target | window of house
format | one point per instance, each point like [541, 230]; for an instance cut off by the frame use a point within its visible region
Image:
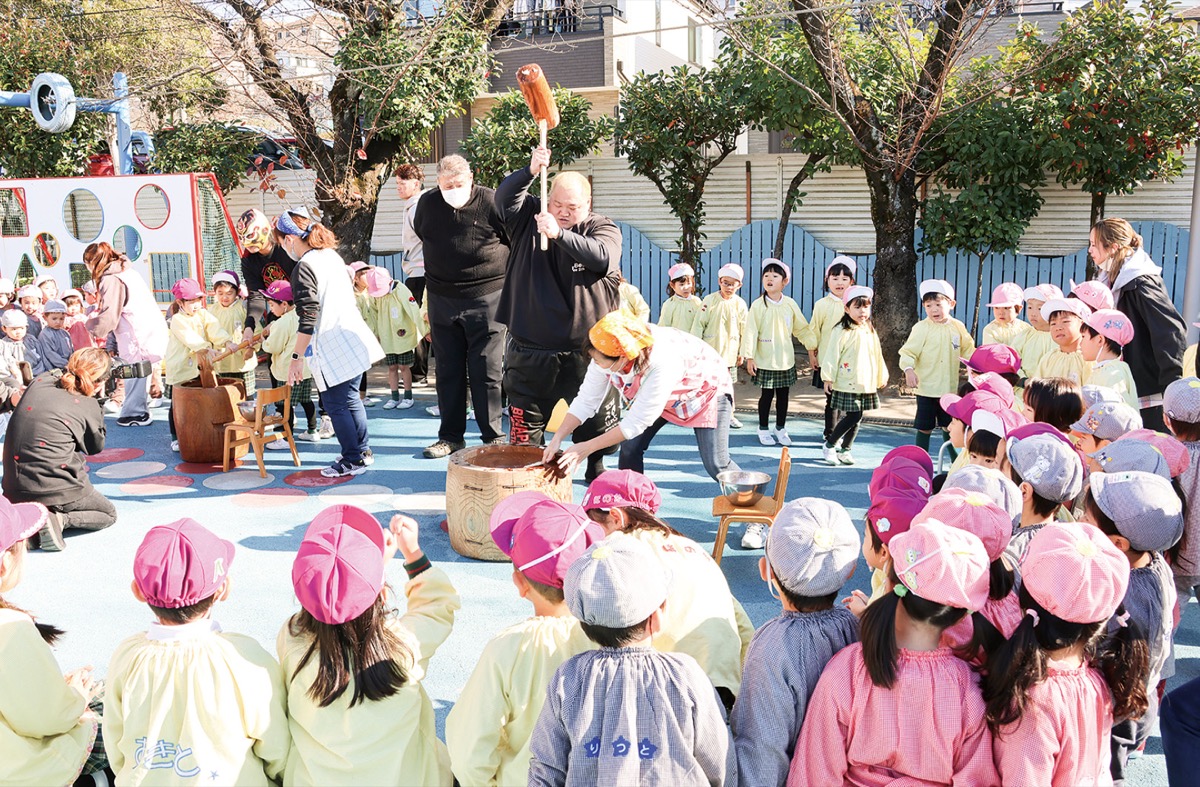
[695, 42]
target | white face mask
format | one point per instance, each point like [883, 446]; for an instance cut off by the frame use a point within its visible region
[457, 197]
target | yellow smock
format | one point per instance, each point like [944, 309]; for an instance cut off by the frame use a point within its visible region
[1012, 334]
[720, 322]
[1115, 374]
[398, 324]
[1035, 346]
[233, 320]
[933, 351]
[280, 343]
[1068, 365]
[770, 328]
[188, 335]
[632, 301]
[852, 361]
[679, 312]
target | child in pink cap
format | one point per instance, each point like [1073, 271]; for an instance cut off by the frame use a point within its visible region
[840, 274]
[682, 305]
[773, 321]
[1051, 698]
[703, 620]
[48, 720]
[192, 330]
[1105, 335]
[1006, 327]
[357, 711]
[897, 706]
[399, 327]
[489, 727]
[722, 320]
[185, 699]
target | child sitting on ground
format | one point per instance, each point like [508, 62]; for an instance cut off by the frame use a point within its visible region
[852, 371]
[16, 347]
[230, 311]
[1102, 423]
[682, 305]
[48, 720]
[185, 698]
[1038, 342]
[1049, 473]
[29, 298]
[811, 552]
[399, 328]
[357, 711]
[192, 330]
[489, 727]
[859, 728]
[1006, 327]
[1105, 334]
[627, 714]
[279, 339]
[54, 343]
[722, 320]
[1065, 317]
[930, 358]
[1142, 516]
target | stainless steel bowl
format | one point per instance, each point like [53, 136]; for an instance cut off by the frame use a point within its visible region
[743, 487]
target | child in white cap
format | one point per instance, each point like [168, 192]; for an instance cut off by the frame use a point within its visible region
[1181, 411]
[865, 719]
[852, 371]
[29, 298]
[840, 274]
[1006, 326]
[1036, 343]
[682, 305]
[931, 356]
[489, 727]
[1049, 473]
[1142, 516]
[722, 319]
[627, 714]
[17, 347]
[811, 552]
[48, 285]
[230, 310]
[773, 321]
[54, 343]
[1105, 335]
[1051, 698]
[1066, 317]
[632, 302]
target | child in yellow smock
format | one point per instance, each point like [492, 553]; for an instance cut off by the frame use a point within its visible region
[827, 313]
[279, 342]
[366, 308]
[632, 301]
[1036, 344]
[399, 328]
[1065, 317]
[853, 371]
[1006, 326]
[230, 311]
[722, 320]
[191, 330]
[682, 306]
[1105, 334]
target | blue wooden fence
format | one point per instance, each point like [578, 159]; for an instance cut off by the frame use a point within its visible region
[645, 264]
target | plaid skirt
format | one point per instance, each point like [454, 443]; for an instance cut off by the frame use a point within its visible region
[401, 359]
[775, 378]
[97, 759]
[853, 402]
[302, 392]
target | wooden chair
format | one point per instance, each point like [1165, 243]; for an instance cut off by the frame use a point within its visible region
[763, 512]
[256, 432]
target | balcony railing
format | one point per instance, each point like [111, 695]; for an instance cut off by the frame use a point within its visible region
[556, 17]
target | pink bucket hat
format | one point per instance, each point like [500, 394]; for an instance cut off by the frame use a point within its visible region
[280, 290]
[19, 521]
[622, 489]
[1173, 451]
[963, 407]
[1095, 294]
[1075, 572]
[379, 282]
[181, 564]
[998, 358]
[942, 564]
[973, 512]
[787, 270]
[543, 537]
[679, 270]
[1042, 292]
[187, 290]
[892, 512]
[338, 571]
[1007, 294]
[917, 475]
[1111, 324]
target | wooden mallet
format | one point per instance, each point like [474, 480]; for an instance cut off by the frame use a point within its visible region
[541, 105]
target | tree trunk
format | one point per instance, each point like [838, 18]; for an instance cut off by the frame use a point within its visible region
[894, 214]
[789, 200]
[1097, 213]
[349, 209]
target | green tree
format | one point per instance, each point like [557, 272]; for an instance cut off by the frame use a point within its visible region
[500, 142]
[398, 79]
[205, 147]
[1117, 95]
[676, 127]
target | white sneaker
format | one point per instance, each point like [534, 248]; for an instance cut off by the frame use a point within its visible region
[325, 430]
[175, 446]
[369, 401]
[755, 536]
[829, 455]
[845, 458]
[470, 413]
[155, 401]
[278, 444]
[391, 404]
[765, 437]
[783, 437]
[405, 404]
[310, 436]
[112, 407]
[734, 423]
[435, 411]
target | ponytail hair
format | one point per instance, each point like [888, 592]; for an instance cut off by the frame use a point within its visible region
[86, 370]
[1120, 233]
[1124, 659]
[877, 631]
[319, 236]
[641, 519]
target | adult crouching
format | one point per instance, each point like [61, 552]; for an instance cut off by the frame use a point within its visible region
[58, 421]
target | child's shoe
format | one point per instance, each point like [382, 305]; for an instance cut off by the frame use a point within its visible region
[765, 437]
[391, 404]
[325, 430]
[755, 536]
[369, 401]
[175, 446]
[435, 411]
[310, 436]
[829, 455]
[734, 423]
[405, 404]
[844, 457]
[278, 444]
[783, 437]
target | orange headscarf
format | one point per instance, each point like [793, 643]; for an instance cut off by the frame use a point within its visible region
[620, 335]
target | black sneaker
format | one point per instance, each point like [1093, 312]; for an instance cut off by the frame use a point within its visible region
[341, 468]
[135, 420]
[50, 537]
[443, 448]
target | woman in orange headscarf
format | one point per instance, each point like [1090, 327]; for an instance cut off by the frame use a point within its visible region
[666, 376]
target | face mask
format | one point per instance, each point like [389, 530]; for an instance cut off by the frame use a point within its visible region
[458, 197]
[286, 250]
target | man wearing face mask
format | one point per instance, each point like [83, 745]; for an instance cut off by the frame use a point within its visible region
[466, 253]
[551, 298]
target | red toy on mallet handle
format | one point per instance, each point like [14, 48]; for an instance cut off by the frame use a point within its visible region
[541, 105]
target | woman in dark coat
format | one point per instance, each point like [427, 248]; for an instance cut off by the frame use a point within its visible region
[57, 421]
[1155, 355]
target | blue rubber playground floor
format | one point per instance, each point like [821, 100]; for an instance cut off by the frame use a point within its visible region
[85, 589]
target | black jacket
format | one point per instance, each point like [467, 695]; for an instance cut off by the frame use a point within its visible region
[259, 270]
[1155, 356]
[552, 298]
[48, 434]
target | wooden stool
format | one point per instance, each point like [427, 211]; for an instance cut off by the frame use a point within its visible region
[762, 512]
[255, 433]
